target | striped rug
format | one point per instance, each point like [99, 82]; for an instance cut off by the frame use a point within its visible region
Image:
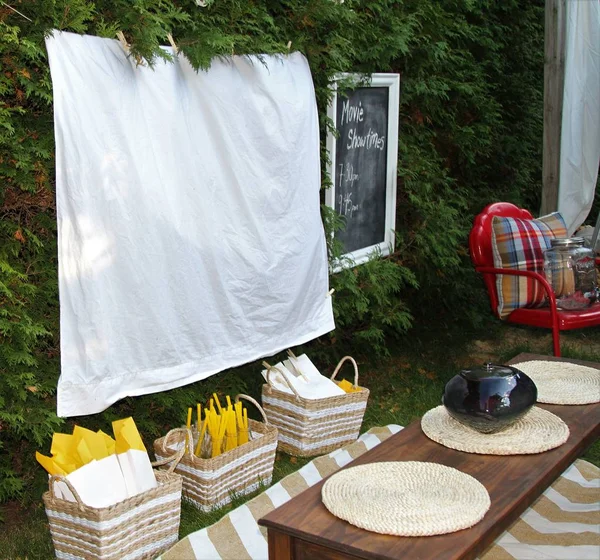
[563, 524]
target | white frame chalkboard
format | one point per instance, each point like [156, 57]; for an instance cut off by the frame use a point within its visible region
[391, 81]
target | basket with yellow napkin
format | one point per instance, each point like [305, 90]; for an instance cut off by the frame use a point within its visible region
[105, 501]
[313, 413]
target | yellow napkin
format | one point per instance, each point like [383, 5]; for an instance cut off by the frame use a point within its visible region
[64, 453]
[85, 455]
[109, 442]
[92, 444]
[66, 463]
[72, 451]
[49, 464]
[127, 436]
[64, 444]
[347, 386]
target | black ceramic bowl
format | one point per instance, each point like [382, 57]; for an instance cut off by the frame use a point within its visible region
[489, 398]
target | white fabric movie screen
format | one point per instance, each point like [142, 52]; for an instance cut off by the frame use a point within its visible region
[189, 230]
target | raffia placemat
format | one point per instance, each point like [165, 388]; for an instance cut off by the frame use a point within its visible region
[409, 499]
[563, 382]
[539, 430]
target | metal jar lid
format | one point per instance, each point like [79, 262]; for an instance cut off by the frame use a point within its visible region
[489, 370]
[567, 242]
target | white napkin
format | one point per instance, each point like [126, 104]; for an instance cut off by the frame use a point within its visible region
[137, 471]
[304, 377]
[99, 483]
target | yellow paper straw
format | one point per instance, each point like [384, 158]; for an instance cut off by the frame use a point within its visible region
[188, 425]
[231, 432]
[223, 424]
[216, 423]
[213, 430]
[244, 436]
[201, 433]
[238, 415]
[217, 441]
[219, 407]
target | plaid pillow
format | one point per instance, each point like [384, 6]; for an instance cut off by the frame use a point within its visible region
[520, 245]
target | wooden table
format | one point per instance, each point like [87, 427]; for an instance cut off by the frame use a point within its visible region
[303, 529]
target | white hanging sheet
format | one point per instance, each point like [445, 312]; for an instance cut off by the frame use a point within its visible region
[580, 137]
[189, 233]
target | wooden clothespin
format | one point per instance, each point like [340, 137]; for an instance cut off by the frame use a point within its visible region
[330, 292]
[123, 41]
[127, 48]
[172, 43]
[289, 45]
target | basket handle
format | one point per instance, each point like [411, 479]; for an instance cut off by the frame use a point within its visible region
[255, 403]
[337, 368]
[178, 455]
[296, 368]
[270, 369]
[58, 478]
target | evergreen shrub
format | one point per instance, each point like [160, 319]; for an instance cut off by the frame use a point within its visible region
[470, 132]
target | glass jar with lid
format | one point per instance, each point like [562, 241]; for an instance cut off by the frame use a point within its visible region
[570, 269]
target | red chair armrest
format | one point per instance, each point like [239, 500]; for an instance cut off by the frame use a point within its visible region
[539, 278]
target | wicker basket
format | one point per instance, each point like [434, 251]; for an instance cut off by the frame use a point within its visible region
[309, 427]
[212, 483]
[138, 528]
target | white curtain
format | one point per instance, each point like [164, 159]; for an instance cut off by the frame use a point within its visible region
[580, 138]
[189, 230]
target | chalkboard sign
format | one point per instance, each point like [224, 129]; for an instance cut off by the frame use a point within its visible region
[363, 168]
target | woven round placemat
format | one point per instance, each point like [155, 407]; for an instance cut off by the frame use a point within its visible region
[539, 430]
[563, 382]
[409, 499]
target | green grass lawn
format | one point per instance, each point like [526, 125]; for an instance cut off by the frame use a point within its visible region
[403, 387]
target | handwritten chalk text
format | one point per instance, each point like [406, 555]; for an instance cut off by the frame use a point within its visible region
[347, 174]
[369, 141]
[347, 208]
[352, 113]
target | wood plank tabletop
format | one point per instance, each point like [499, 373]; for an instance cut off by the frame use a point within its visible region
[513, 482]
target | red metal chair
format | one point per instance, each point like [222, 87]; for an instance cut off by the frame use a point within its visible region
[480, 245]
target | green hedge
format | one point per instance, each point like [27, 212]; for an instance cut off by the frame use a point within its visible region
[471, 110]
